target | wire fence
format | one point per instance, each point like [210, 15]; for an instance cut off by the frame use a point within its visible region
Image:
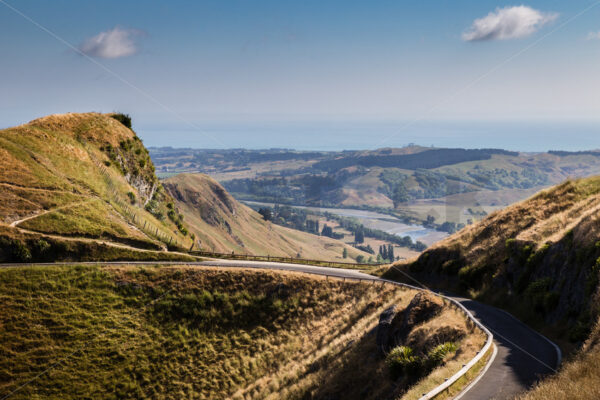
[289, 260]
[133, 215]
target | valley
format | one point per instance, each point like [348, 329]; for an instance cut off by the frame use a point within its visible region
[452, 186]
[108, 205]
[299, 200]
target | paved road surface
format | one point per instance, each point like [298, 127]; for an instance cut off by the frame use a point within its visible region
[523, 355]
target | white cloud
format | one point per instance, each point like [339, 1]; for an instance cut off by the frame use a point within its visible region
[508, 23]
[114, 43]
[593, 35]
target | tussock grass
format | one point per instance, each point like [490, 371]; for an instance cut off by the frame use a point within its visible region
[222, 224]
[208, 333]
[173, 332]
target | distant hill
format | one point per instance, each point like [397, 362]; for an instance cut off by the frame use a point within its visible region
[451, 185]
[222, 224]
[82, 186]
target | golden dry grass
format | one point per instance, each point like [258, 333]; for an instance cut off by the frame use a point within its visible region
[222, 224]
[58, 160]
[173, 332]
[577, 379]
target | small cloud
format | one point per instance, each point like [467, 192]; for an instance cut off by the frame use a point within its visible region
[114, 43]
[508, 23]
[593, 36]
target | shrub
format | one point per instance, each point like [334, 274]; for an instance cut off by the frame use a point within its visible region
[15, 250]
[401, 361]
[436, 356]
[172, 216]
[41, 247]
[125, 119]
[131, 196]
[153, 208]
[107, 163]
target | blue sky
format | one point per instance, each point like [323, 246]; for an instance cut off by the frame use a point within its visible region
[287, 73]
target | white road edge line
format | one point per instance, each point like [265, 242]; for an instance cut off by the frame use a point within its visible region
[481, 374]
[558, 350]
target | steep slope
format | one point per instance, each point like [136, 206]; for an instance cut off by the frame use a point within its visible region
[83, 178]
[543, 250]
[540, 259]
[222, 224]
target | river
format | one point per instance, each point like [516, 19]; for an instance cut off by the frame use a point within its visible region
[375, 220]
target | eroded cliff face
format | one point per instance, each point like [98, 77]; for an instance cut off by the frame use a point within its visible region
[132, 158]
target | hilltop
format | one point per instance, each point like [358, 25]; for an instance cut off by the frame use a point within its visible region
[544, 253]
[222, 224]
[82, 186]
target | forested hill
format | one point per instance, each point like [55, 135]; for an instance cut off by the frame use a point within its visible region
[425, 159]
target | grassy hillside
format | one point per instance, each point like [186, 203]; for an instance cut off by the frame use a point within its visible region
[543, 252]
[222, 224]
[84, 177]
[187, 332]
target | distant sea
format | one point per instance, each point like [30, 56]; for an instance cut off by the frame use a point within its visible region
[336, 136]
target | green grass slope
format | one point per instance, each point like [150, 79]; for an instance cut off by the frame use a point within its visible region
[82, 176]
[131, 332]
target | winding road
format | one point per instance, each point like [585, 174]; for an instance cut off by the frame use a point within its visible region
[522, 357]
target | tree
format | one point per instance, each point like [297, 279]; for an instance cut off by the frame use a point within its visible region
[360, 259]
[359, 236]
[266, 213]
[327, 231]
[390, 253]
[448, 226]
[420, 246]
[345, 253]
[400, 194]
[430, 221]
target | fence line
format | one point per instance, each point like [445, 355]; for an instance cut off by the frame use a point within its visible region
[290, 260]
[133, 217]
